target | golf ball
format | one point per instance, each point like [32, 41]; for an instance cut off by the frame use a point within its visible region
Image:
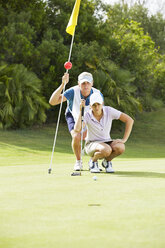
[95, 178]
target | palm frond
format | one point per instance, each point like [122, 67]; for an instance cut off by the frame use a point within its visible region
[24, 105]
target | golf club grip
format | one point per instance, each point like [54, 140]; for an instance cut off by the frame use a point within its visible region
[82, 111]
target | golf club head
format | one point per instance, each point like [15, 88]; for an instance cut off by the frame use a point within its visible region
[76, 174]
[49, 171]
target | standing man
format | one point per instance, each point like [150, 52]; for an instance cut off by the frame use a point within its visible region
[73, 97]
[99, 144]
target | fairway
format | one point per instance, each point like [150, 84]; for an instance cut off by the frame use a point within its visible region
[41, 210]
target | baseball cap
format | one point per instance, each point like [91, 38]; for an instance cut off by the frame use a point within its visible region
[96, 98]
[85, 77]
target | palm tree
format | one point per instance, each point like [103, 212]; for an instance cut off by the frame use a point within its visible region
[117, 88]
[21, 100]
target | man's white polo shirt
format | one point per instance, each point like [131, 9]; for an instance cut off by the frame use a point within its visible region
[100, 130]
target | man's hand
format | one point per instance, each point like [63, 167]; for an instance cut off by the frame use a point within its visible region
[65, 78]
[82, 104]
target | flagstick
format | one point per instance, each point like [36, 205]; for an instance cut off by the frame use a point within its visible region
[59, 114]
[71, 45]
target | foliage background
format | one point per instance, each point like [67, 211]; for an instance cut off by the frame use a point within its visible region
[122, 46]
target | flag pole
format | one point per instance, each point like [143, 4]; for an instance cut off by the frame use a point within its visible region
[68, 65]
[70, 52]
[59, 114]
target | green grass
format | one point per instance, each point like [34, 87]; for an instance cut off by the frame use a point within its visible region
[125, 209]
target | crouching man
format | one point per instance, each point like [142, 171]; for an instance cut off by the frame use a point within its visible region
[73, 97]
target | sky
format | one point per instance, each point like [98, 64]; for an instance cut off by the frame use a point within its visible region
[153, 5]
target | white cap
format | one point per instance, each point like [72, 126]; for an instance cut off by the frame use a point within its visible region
[85, 77]
[96, 98]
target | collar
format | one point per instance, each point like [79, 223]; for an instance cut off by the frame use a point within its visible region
[83, 97]
[92, 116]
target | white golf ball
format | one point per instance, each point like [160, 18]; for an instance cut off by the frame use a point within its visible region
[95, 178]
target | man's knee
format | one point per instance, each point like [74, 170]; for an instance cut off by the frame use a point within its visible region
[76, 137]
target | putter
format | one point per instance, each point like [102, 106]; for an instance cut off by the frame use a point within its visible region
[82, 120]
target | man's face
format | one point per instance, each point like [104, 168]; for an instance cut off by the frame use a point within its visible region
[97, 108]
[85, 88]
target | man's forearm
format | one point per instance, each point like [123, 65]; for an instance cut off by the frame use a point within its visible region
[77, 127]
[55, 97]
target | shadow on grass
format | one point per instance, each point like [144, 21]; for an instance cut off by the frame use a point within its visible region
[134, 174]
[140, 174]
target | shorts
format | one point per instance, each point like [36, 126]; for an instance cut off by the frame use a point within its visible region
[90, 147]
[70, 121]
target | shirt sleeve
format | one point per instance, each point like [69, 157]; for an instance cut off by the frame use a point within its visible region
[115, 114]
[69, 94]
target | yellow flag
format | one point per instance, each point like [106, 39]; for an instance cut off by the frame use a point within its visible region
[73, 19]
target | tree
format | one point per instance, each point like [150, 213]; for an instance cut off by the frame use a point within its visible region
[117, 43]
[133, 50]
[159, 88]
[21, 100]
[115, 83]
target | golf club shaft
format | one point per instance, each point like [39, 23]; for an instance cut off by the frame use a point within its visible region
[82, 119]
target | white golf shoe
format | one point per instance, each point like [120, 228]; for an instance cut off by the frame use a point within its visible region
[108, 166]
[78, 165]
[93, 167]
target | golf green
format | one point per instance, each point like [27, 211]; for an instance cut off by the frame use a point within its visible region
[125, 209]
[120, 210]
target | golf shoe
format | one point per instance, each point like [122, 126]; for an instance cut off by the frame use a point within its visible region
[108, 166]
